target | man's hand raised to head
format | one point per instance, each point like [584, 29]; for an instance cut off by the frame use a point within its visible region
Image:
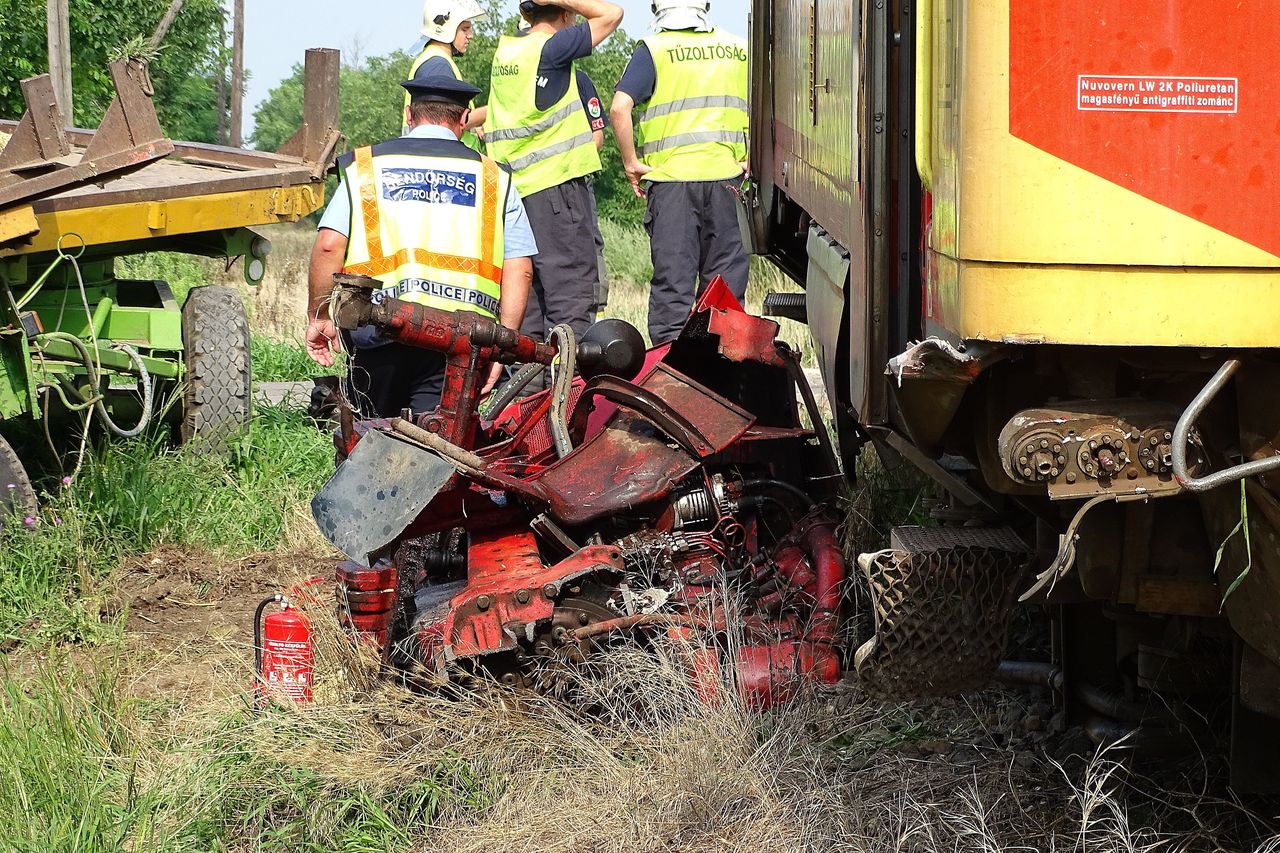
[602, 16]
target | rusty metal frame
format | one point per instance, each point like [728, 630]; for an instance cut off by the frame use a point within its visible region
[318, 137]
[128, 138]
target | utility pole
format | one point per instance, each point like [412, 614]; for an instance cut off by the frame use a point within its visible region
[59, 39]
[167, 21]
[237, 73]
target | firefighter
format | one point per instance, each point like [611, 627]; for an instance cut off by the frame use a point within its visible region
[538, 126]
[447, 26]
[598, 117]
[435, 222]
[690, 79]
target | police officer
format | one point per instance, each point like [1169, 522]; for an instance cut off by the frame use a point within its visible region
[691, 81]
[437, 224]
[447, 26]
[538, 126]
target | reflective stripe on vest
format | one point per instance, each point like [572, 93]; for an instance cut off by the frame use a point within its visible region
[543, 147]
[694, 126]
[469, 137]
[429, 228]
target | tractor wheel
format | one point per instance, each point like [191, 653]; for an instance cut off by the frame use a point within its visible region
[215, 333]
[16, 493]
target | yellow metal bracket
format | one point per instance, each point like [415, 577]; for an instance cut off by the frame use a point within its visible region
[924, 92]
[16, 223]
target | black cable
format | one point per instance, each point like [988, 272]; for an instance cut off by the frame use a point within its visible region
[795, 491]
[752, 501]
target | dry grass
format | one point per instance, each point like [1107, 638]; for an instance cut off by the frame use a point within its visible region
[654, 767]
[177, 761]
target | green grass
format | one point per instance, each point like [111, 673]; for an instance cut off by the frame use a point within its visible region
[283, 361]
[183, 272]
[132, 496]
[626, 252]
[87, 768]
[64, 784]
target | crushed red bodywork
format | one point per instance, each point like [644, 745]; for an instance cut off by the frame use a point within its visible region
[683, 500]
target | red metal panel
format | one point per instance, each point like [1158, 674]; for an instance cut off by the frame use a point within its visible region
[1177, 100]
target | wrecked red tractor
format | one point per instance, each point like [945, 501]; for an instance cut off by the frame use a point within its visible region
[671, 491]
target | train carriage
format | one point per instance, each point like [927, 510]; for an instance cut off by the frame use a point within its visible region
[1040, 249]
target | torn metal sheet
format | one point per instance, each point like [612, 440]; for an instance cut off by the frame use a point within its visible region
[377, 493]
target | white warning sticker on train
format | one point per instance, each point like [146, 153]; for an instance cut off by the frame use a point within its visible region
[1136, 93]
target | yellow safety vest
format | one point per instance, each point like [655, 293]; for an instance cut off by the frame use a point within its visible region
[445, 52]
[694, 127]
[427, 221]
[543, 147]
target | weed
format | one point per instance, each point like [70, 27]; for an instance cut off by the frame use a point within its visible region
[283, 361]
[657, 765]
[132, 496]
[65, 782]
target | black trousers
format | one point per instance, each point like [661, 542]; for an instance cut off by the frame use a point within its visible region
[565, 270]
[602, 275]
[383, 381]
[693, 237]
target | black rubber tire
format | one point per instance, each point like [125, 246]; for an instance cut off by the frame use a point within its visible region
[216, 401]
[21, 497]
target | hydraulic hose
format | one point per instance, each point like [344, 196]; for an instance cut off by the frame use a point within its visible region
[94, 379]
[257, 642]
[794, 491]
[567, 346]
[513, 386]
[1182, 433]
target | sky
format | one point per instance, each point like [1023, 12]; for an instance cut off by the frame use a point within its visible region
[277, 33]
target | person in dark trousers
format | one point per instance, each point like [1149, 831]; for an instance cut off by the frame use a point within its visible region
[538, 127]
[598, 116]
[690, 79]
[437, 224]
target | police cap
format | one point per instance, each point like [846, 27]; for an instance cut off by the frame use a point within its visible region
[441, 87]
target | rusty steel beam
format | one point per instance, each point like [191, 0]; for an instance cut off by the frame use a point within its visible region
[128, 138]
[318, 138]
[38, 137]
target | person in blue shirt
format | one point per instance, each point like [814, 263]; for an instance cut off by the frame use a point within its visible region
[385, 377]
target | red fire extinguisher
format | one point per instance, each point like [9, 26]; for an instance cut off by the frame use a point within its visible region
[283, 656]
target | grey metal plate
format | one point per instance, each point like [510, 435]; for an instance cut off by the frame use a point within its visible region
[377, 493]
[918, 540]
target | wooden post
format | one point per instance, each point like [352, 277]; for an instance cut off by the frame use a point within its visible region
[167, 21]
[237, 74]
[59, 41]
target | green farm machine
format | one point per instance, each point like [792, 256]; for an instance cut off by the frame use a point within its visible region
[76, 337]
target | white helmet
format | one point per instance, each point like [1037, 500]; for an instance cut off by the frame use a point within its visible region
[441, 18]
[682, 15]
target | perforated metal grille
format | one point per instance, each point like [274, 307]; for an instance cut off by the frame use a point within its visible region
[941, 614]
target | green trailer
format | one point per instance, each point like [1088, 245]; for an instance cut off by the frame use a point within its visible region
[76, 336]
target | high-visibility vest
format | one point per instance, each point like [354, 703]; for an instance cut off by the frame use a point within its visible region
[445, 52]
[694, 126]
[427, 221]
[543, 147]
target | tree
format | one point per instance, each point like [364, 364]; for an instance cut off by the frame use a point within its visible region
[371, 104]
[185, 72]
